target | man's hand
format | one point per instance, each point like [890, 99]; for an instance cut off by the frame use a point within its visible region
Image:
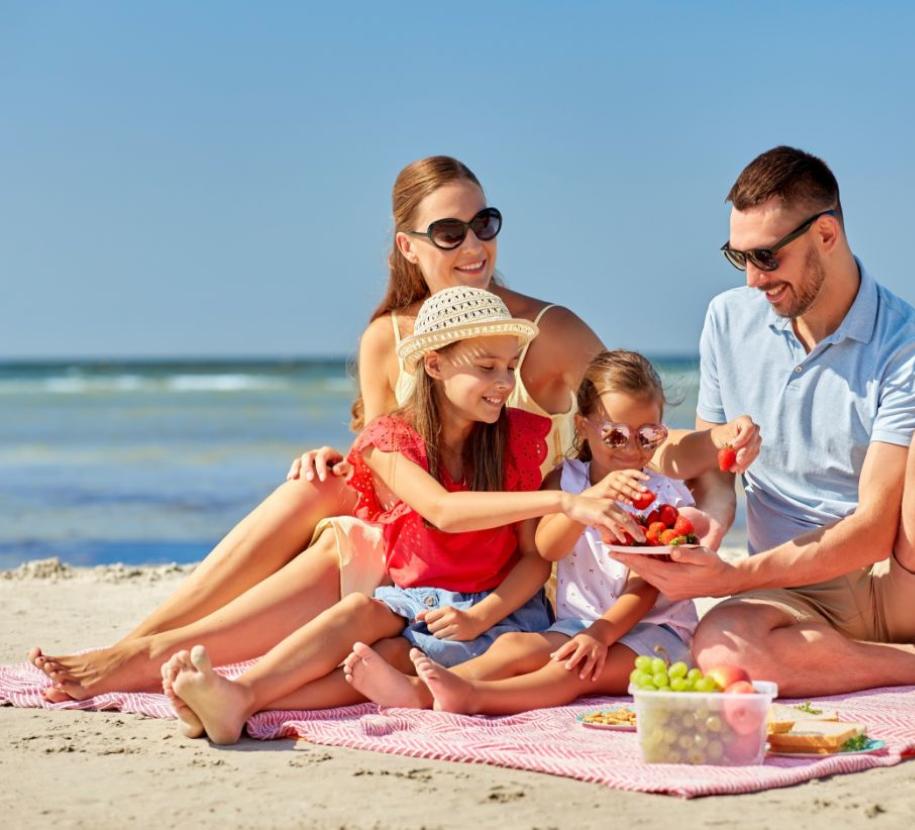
[709, 530]
[449, 623]
[691, 573]
[743, 435]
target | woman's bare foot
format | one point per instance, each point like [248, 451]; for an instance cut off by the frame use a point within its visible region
[221, 705]
[190, 725]
[373, 676]
[125, 667]
[450, 693]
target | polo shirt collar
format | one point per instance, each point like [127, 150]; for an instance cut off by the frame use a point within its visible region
[859, 322]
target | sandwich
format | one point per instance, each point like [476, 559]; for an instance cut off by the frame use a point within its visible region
[816, 737]
[782, 717]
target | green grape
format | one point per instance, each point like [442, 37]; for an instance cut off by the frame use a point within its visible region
[658, 665]
[642, 679]
[633, 675]
[695, 756]
[643, 662]
[713, 723]
[670, 736]
[647, 685]
[679, 684]
[688, 721]
[700, 741]
[661, 680]
[706, 684]
[685, 742]
[694, 675]
[714, 751]
[690, 685]
[678, 669]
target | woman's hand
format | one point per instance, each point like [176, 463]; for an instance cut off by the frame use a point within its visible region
[620, 485]
[604, 514]
[321, 463]
[742, 434]
[449, 623]
[585, 649]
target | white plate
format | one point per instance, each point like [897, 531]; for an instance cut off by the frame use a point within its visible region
[616, 727]
[648, 550]
[874, 745]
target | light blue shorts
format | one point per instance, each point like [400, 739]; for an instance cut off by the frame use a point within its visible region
[534, 615]
[641, 638]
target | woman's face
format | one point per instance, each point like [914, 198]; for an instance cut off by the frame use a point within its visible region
[472, 262]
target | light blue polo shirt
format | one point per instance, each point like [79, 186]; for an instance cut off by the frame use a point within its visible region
[817, 412]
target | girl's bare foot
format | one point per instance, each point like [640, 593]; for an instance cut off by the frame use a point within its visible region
[125, 667]
[450, 693]
[221, 705]
[190, 725]
[371, 675]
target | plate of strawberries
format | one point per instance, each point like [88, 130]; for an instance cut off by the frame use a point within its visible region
[665, 530]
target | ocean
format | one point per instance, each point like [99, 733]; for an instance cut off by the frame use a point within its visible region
[146, 462]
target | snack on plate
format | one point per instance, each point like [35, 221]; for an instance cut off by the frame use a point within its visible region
[783, 717]
[819, 737]
[610, 717]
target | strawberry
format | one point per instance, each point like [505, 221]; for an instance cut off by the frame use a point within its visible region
[668, 536]
[642, 500]
[651, 518]
[652, 535]
[727, 458]
[683, 526]
[679, 540]
[668, 514]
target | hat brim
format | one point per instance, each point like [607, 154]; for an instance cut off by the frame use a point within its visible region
[412, 348]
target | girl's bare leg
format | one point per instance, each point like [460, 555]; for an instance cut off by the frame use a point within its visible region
[315, 650]
[551, 685]
[266, 539]
[387, 684]
[246, 627]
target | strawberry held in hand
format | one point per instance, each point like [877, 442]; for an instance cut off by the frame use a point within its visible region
[727, 458]
[642, 501]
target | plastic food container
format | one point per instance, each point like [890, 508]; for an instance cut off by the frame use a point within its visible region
[704, 728]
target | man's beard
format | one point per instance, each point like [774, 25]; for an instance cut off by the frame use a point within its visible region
[809, 288]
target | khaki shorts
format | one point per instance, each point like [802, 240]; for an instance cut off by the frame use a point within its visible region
[360, 549]
[875, 604]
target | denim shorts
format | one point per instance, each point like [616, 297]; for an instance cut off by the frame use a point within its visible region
[641, 638]
[534, 615]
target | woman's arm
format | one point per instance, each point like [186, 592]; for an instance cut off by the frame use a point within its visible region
[376, 361]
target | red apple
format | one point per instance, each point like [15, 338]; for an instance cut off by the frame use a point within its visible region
[741, 687]
[725, 675]
[742, 749]
[744, 715]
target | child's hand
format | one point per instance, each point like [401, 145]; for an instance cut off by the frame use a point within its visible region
[742, 435]
[604, 514]
[620, 485]
[448, 623]
[586, 649]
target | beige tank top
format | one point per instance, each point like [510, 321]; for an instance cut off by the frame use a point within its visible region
[562, 429]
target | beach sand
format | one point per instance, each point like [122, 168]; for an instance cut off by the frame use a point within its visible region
[108, 770]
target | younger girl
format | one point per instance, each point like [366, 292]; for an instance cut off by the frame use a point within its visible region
[606, 614]
[451, 480]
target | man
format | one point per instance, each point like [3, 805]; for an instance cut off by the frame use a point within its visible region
[823, 358]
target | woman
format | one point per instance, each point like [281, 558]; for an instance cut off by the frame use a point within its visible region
[444, 235]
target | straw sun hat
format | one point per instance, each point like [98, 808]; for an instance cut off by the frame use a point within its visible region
[457, 314]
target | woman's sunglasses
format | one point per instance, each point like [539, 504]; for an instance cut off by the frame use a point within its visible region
[448, 234]
[764, 258]
[617, 436]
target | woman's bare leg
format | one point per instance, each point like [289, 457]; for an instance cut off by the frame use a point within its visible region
[315, 650]
[246, 627]
[551, 685]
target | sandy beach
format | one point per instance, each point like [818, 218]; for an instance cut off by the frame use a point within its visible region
[101, 770]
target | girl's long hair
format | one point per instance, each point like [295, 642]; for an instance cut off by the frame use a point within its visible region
[615, 371]
[406, 284]
[484, 450]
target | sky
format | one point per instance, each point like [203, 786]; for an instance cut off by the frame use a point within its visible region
[213, 178]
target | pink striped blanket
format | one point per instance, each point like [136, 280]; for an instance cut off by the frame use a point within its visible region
[547, 740]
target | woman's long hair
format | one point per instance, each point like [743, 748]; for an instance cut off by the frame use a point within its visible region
[406, 284]
[484, 450]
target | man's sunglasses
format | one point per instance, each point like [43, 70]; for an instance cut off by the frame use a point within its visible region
[617, 436]
[764, 258]
[448, 234]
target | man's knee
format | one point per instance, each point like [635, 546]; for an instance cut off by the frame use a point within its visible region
[735, 635]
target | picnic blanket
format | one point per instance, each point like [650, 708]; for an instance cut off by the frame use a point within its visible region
[546, 740]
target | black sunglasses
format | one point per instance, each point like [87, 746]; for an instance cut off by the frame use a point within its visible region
[448, 234]
[764, 258]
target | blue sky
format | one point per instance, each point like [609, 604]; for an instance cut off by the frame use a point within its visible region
[213, 178]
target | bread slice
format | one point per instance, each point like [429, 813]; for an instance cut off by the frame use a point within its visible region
[783, 717]
[821, 737]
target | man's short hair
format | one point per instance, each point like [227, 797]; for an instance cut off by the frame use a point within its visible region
[797, 178]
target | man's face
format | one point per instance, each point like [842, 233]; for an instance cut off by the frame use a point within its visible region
[793, 287]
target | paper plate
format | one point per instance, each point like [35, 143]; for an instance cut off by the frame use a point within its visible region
[615, 727]
[648, 550]
[873, 745]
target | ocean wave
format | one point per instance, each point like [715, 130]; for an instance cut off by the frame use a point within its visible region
[121, 384]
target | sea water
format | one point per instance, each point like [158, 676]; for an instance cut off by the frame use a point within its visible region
[148, 462]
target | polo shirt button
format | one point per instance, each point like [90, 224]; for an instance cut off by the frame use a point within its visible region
[798, 369]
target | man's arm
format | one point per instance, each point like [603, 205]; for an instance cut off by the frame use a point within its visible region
[714, 495]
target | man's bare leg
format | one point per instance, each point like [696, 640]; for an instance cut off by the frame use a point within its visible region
[805, 659]
[265, 540]
[551, 685]
[246, 627]
[312, 652]
[373, 675]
